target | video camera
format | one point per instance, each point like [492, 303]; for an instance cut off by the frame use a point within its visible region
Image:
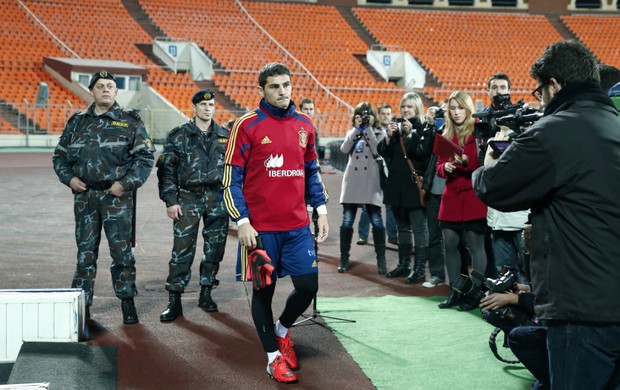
[515, 116]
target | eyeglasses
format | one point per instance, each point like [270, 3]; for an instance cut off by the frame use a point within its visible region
[537, 93]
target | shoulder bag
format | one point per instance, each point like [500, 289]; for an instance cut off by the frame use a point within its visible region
[417, 179]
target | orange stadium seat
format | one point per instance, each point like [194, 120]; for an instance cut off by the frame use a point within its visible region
[324, 49]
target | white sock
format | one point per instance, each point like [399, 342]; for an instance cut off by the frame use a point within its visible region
[271, 356]
[280, 330]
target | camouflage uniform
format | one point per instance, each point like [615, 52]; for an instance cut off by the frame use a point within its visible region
[190, 172]
[99, 150]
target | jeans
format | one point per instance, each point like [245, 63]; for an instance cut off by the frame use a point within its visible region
[583, 356]
[529, 345]
[363, 226]
[349, 210]
[508, 250]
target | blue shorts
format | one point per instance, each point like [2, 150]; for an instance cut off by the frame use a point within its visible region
[292, 253]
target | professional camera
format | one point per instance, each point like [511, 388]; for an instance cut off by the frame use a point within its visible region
[501, 100]
[504, 319]
[485, 286]
[515, 116]
[365, 118]
[522, 117]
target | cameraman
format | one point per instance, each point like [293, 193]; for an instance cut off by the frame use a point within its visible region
[527, 343]
[566, 168]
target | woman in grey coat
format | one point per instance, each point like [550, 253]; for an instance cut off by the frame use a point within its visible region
[360, 184]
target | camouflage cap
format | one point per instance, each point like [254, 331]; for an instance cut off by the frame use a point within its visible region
[204, 94]
[102, 74]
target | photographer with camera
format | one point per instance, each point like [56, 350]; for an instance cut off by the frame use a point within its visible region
[512, 311]
[384, 112]
[461, 214]
[360, 183]
[401, 192]
[566, 168]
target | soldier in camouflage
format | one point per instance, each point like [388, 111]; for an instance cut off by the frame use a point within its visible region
[190, 172]
[104, 155]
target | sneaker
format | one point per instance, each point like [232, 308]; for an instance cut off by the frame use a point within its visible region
[362, 241]
[393, 240]
[279, 371]
[433, 282]
[285, 345]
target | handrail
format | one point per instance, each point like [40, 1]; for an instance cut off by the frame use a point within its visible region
[301, 65]
[47, 29]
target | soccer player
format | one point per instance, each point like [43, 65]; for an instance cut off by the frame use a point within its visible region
[271, 172]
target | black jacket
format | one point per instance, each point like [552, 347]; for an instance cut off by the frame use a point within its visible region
[400, 191]
[566, 168]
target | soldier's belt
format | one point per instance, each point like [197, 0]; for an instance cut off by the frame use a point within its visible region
[99, 185]
[201, 189]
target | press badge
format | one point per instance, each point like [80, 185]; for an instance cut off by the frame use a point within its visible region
[359, 146]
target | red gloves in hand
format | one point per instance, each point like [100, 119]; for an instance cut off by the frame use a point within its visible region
[259, 267]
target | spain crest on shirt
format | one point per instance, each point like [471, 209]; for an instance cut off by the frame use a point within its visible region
[303, 138]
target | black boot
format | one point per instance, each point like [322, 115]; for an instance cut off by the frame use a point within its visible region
[346, 235]
[404, 259]
[174, 308]
[130, 316]
[452, 300]
[378, 235]
[205, 302]
[418, 275]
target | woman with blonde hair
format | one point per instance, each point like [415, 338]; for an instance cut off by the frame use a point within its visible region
[401, 144]
[462, 216]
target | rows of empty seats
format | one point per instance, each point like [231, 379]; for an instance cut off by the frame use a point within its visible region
[459, 49]
[600, 33]
[462, 49]
[23, 46]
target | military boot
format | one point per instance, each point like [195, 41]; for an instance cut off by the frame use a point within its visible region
[378, 236]
[174, 308]
[418, 274]
[404, 260]
[210, 271]
[130, 316]
[206, 302]
[346, 235]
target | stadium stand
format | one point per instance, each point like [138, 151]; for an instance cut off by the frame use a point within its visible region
[449, 45]
[23, 46]
[324, 49]
[599, 33]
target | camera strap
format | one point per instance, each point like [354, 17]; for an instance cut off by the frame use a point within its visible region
[413, 171]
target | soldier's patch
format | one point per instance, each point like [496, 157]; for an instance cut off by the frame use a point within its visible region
[303, 138]
[149, 144]
[160, 160]
[222, 140]
[120, 124]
